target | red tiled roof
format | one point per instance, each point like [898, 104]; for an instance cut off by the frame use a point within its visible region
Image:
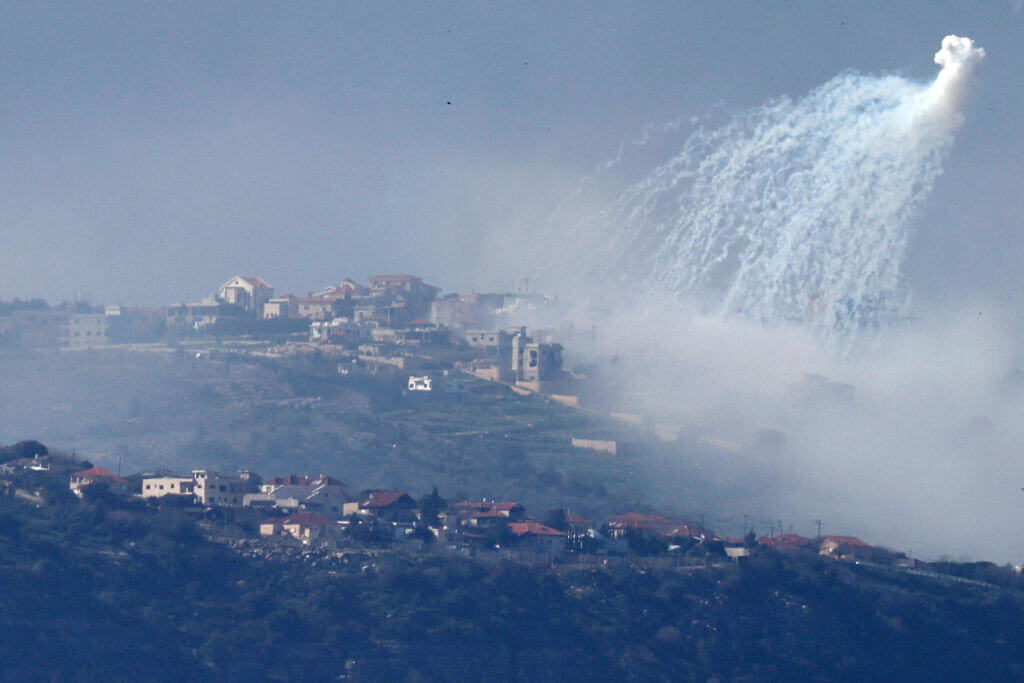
[99, 473]
[382, 499]
[533, 529]
[687, 530]
[786, 542]
[254, 281]
[845, 540]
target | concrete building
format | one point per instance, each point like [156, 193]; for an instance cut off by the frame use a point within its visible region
[394, 300]
[305, 526]
[84, 331]
[316, 308]
[341, 330]
[323, 494]
[199, 314]
[497, 344]
[157, 487]
[284, 306]
[534, 361]
[467, 311]
[213, 488]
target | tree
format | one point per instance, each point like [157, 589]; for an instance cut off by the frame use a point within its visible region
[23, 449]
[430, 506]
[555, 518]
[500, 534]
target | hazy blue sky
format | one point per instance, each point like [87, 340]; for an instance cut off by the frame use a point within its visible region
[150, 152]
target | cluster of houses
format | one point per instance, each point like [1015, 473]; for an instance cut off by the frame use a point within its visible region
[394, 319]
[398, 320]
[388, 300]
[317, 509]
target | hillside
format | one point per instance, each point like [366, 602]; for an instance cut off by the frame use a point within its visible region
[139, 411]
[125, 590]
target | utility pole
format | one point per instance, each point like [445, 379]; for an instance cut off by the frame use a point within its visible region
[818, 522]
[744, 525]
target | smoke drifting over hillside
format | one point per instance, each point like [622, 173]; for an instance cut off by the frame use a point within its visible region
[796, 211]
[753, 283]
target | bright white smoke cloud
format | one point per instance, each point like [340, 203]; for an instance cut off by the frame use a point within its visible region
[718, 275]
[796, 211]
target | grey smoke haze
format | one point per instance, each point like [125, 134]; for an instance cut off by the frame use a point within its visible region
[151, 152]
[808, 206]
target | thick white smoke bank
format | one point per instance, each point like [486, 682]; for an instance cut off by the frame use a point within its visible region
[798, 211]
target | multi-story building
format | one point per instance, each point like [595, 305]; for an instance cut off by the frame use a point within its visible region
[535, 361]
[213, 488]
[84, 331]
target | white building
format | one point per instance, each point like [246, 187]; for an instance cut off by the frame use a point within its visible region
[157, 487]
[420, 383]
[246, 292]
[213, 488]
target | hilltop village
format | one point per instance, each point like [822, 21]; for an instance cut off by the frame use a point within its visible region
[509, 531]
[395, 324]
[394, 320]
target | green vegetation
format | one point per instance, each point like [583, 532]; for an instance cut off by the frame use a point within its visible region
[107, 588]
[315, 414]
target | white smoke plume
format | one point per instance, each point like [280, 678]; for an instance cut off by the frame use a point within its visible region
[798, 211]
[715, 278]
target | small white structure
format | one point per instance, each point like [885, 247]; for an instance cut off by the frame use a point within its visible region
[420, 383]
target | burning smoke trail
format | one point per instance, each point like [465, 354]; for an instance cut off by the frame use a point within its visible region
[799, 210]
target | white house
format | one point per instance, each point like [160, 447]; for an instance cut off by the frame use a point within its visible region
[249, 293]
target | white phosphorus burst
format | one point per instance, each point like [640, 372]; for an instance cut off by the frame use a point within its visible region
[799, 210]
